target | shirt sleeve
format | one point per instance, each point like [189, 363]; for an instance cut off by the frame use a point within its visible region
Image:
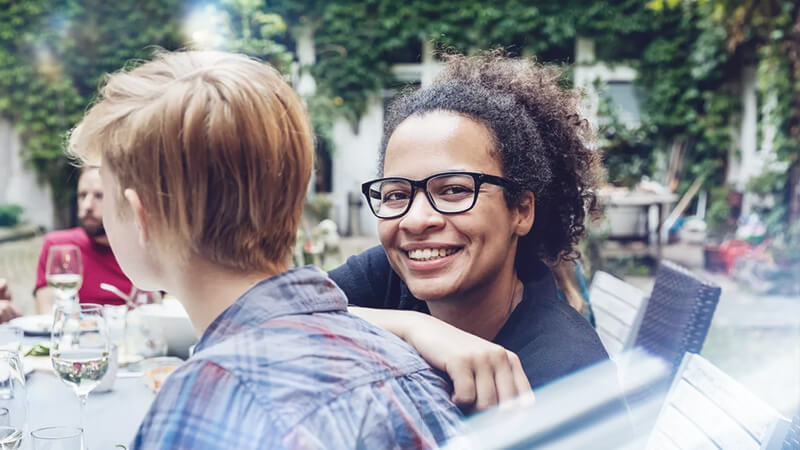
[41, 267]
[204, 406]
[365, 278]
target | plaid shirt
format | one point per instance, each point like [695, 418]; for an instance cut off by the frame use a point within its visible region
[287, 367]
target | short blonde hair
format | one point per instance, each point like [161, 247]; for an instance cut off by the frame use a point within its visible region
[217, 145]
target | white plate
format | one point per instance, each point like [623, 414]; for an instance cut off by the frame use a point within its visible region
[36, 325]
[28, 366]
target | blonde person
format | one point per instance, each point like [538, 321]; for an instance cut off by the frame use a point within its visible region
[205, 158]
[484, 178]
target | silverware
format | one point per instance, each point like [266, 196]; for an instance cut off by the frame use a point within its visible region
[115, 290]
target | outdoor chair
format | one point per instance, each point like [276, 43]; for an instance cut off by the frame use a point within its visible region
[678, 314]
[706, 409]
[618, 310]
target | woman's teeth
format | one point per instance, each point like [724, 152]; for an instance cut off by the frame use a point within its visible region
[430, 253]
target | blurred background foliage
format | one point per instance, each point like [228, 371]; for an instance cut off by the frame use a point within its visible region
[55, 53]
[688, 55]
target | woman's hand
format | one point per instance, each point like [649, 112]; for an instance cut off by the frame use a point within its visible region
[483, 373]
[5, 291]
[7, 311]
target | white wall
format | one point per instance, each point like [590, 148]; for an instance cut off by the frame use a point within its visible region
[18, 184]
[748, 157]
[355, 160]
[355, 155]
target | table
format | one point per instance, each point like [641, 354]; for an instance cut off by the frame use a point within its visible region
[653, 208]
[111, 418]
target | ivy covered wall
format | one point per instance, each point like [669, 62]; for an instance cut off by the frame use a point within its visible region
[688, 53]
[53, 54]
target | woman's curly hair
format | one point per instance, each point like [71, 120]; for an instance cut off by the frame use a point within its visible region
[539, 136]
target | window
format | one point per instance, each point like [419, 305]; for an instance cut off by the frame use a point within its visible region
[624, 96]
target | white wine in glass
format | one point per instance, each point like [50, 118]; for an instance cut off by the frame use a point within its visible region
[64, 272]
[81, 369]
[80, 348]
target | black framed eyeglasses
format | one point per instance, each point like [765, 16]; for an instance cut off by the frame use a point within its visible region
[447, 192]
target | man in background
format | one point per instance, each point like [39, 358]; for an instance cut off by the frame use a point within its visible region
[99, 263]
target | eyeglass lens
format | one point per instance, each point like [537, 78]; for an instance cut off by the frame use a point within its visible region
[449, 194]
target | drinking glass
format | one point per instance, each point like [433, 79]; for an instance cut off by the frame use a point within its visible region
[13, 402]
[58, 438]
[11, 338]
[64, 272]
[79, 348]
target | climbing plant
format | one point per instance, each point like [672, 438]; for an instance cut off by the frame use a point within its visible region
[55, 53]
[690, 82]
[357, 42]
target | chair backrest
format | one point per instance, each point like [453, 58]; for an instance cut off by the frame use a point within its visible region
[618, 309]
[707, 409]
[678, 313]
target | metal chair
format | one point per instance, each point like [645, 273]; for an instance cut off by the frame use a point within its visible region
[678, 314]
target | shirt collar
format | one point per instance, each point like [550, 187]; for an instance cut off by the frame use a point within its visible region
[303, 290]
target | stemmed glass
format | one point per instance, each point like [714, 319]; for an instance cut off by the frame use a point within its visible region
[13, 402]
[64, 272]
[58, 438]
[80, 348]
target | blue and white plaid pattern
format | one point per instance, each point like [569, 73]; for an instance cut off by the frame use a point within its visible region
[287, 367]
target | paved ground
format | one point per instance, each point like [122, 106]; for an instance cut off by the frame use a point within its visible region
[755, 339]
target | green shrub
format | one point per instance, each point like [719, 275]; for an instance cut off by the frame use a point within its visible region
[9, 215]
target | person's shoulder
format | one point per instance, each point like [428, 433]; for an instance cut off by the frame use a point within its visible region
[368, 414]
[76, 236]
[563, 322]
[553, 340]
[568, 330]
[195, 375]
[204, 405]
[305, 361]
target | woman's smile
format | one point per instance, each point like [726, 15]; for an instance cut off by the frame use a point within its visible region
[431, 258]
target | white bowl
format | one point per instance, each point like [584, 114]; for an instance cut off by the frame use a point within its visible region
[170, 319]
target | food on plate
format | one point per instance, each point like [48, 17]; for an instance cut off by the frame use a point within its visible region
[156, 370]
[39, 350]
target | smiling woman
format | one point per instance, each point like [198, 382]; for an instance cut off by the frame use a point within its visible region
[484, 175]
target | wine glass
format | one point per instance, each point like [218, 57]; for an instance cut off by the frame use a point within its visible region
[58, 438]
[64, 272]
[13, 401]
[80, 348]
[11, 338]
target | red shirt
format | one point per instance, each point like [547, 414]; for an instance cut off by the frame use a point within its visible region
[99, 266]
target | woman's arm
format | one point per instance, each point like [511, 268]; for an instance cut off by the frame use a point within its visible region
[483, 373]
